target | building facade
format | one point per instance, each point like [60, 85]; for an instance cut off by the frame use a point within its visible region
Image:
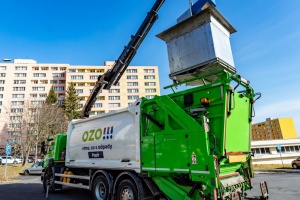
[25, 82]
[274, 128]
[282, 151]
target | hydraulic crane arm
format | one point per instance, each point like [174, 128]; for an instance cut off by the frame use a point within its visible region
[112, 76]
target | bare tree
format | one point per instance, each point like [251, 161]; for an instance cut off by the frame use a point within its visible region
[32, 123]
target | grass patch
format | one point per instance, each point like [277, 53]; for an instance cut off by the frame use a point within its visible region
[12, 171]
[271, 166]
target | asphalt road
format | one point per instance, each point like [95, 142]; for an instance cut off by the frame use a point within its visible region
[31, 188]
[282, 186]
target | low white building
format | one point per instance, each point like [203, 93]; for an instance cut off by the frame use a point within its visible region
[275, 151]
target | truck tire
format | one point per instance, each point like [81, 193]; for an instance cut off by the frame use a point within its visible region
[127, 190]
[49, 180]
[100, 188]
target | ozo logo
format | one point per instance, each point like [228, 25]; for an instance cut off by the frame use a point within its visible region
[96, 134]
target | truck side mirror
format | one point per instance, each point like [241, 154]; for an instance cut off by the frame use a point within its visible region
[43, 150]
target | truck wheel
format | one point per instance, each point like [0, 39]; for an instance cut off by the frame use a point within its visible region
[127, 190]
[100, 188]
[49, 180]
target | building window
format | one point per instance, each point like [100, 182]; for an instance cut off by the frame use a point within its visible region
[16, 110]
[21, 68]
[20, 74]
[79, 77]
[39, 75]
[17, 103]
[149, 96]
[149, 70]
[149, 77]
[18, 88]
[14, 125]
[37, 102]
[114, 105]
[150, 83]
[15, 117]
[261, 150]
[58, 88]
[18, 95]
[101, 98]
[150, 90]
[72, 70]
[94, 77]
[2, 75]
[19, 81]
[43, 95]
[79, 91]
[60, 102]
[132, 90]
[132, 84]
[97, 105]
[132, 77]
[131, 71]
[58, 75]
[61, 95]
[113, 97]
[1, 88]
[130, 104]
[1, 96]
[133, 97]
[114, 91]
[53, 81]
[38, 88]
[54, 68]
[2, 67]
[0, 103]
[2, 81]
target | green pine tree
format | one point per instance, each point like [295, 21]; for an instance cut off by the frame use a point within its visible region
[51, 97]
[71, 106]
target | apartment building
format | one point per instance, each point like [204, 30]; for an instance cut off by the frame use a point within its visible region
[25, 82]
[274, 128]
[136, 82]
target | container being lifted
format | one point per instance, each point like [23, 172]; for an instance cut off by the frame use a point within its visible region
[199, 45]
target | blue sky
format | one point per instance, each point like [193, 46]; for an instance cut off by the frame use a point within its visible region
[266, 47]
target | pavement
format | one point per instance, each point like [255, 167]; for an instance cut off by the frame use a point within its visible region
[278, 170]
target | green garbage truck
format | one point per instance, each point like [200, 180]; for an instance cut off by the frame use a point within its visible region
[191, 144]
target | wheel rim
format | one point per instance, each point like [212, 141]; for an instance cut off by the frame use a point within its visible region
[100, 191]
[294, 166]
[127, 194]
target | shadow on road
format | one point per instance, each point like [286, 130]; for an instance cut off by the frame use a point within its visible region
[34, 191]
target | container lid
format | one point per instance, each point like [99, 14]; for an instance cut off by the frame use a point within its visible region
[195, 21]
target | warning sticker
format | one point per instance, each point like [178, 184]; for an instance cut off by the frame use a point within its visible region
[194, 159]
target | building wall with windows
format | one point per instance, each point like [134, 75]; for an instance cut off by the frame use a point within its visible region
[275, 151]
[25, 82]
[136, 82]
[279, 128]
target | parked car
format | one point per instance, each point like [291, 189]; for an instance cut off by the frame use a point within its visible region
[296, 163]
[30, 159]
[8, 160]
[19, 159]
[36, 168]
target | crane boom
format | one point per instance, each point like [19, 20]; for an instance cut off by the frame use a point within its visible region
[112, 76]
